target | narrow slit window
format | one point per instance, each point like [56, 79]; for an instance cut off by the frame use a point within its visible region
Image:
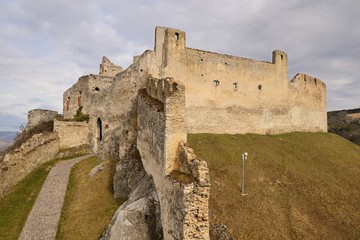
[235, 86]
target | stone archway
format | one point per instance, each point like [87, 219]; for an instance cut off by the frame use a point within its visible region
[98, 135]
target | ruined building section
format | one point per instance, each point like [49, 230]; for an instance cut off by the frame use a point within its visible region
[182, 182]
[111, 105]
[108, 69]
[71, 133]
[174, 90]
[224, 94]
[249, 95]
[38, 116]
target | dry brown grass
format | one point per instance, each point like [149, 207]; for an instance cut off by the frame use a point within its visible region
[89, 203]
[299, 185]
[26, 135]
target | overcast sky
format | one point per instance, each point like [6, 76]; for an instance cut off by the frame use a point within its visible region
[46, 45]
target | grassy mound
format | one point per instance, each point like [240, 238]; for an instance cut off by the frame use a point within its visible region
[298, 185]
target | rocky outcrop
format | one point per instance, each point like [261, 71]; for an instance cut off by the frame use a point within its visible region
[139, 216]
[39, 149]
[129, 172]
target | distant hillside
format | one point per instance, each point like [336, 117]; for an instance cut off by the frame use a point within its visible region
[298, 185]
[6, 138]
[345, 123]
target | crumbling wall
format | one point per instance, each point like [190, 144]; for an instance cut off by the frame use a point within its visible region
[72, 134]
[111, 101]
[108, 69]
[181, 181]
[38, 116]
[39, 149]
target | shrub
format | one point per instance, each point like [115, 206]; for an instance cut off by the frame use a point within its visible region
[80, 117]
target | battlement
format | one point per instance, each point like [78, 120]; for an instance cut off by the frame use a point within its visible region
[302, 78]
[161, 89]
[279, 57]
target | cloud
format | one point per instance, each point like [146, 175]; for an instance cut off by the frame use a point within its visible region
[47, 45]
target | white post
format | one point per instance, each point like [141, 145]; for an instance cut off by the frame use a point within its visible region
[244, 157]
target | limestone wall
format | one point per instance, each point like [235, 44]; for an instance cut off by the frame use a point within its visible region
[181, 181]
[108, 69]
[249, 95]
[72, 134]
[16, 165]
[38, 116]
[82, 93]
[111, 103]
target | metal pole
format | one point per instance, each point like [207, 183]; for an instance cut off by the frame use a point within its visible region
[244, 157]
[243, 175]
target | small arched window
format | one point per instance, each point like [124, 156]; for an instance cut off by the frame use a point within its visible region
[216, 83]
[177, 36]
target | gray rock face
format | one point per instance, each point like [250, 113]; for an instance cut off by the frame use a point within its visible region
[96, 169]
[219, 231]
[129, 173]
[139, 217]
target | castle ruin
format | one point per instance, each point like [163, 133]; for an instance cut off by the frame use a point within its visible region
[174, 90]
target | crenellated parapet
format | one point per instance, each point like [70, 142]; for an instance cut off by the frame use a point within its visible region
[161, 89]
[305, 79]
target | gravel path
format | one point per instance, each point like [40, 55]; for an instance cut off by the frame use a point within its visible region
[43, 219]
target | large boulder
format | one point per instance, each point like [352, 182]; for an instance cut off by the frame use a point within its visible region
[139, 217]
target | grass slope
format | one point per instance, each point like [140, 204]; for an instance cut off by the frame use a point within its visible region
[16, 205]
[299, 185]
[89, 203]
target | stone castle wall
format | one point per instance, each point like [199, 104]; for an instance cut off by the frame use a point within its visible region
[250, 96]
[224, 94]
[190, 91]
[39, 149]
[165, 156]
[72, 134]
[113, 102]
[38, 116]
[108, 69]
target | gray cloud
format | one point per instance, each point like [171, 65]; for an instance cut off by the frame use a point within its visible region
[47, 45]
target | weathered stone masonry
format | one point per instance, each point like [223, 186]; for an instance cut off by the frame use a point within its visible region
[174, 90]
[165, 156]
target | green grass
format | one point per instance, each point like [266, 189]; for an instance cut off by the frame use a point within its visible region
[16, 205]
[299, 185]
[89, 204]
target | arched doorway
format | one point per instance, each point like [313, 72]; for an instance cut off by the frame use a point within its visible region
[98, 135]
[99, 129]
